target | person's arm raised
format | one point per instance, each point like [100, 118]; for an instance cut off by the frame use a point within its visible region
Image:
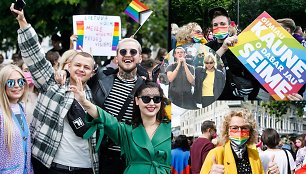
[189, 75]
[32, 53]
[229, 41]
[171, 75]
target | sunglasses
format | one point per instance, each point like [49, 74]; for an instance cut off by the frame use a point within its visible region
[10, 83]
[123, 52]
[147, 99]
[209, 62]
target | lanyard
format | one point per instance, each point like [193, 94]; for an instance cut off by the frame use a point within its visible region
[24, 131]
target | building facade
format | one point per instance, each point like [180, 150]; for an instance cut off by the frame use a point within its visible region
[190, 121]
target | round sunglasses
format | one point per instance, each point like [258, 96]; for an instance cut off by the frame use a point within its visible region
[10, 83]
[147, 99]
[123, 52]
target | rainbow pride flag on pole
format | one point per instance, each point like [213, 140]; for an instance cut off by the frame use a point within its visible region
[138, 11]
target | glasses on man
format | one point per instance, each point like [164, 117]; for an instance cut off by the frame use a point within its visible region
[242, 128]
[123, 52]
[10, 83]
[147, 99]
[209, 62]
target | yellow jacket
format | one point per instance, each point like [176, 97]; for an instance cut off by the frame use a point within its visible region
[224, 156]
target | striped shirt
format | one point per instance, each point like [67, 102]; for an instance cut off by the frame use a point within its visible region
[115, 101]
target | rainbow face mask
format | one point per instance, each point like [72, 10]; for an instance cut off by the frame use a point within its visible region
[239, 137]
[198, 38]
[220, 32]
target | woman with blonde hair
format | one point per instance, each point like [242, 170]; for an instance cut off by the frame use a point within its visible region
[15, 145]
[209, 81]
[65, 59]
[238, 154]
[190, 33]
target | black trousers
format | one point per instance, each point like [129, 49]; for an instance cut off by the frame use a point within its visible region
[111, 162]
[39, 168]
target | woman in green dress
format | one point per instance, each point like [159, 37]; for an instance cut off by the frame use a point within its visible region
[146, 143]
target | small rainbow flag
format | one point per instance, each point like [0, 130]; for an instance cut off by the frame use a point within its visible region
[80, 34]
[138, 11]
[115, 36]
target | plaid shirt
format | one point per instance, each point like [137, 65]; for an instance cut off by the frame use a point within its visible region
[53, 102]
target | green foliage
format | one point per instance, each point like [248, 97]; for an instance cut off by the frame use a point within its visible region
[50, 16]
[184, 11]
[280, 108]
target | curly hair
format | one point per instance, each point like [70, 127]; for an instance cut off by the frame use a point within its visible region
[183, 34]
[248, 118]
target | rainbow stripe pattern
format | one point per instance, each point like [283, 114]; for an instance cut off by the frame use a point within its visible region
[134, 9]
[239, 137]
[220, 31]
[115, 36]
[272, 64]
[80, 34]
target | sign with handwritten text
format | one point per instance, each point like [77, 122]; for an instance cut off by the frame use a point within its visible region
[97, 34]
[273, 56]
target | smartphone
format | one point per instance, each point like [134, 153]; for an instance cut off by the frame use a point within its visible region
[19, 5]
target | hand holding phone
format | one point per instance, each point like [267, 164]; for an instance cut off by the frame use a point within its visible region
[19, 5]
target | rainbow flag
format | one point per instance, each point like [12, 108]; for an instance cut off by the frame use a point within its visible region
[115, 36]
[80, 34]
[138, 11]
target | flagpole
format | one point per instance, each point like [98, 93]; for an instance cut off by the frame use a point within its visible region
[136, 31]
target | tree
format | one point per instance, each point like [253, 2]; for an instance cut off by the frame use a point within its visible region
[280, 108]
[52, 16]
[184, 11]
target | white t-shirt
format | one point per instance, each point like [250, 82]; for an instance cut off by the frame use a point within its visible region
[280, 159]
[73, 150]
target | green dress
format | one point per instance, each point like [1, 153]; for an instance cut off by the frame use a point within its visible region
[142, 154]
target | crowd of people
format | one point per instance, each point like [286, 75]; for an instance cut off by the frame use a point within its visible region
[210, 84]
[60, 112]
[238, 149]
[82, 118]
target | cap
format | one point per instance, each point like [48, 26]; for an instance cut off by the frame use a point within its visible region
[221, 10]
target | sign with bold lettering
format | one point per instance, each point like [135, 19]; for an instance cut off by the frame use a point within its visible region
[97, 34]
[273, 56]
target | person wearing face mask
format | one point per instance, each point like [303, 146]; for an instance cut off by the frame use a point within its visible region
[190, 33]
[32, 94]
[237, 155]
[202, 145]
[220, 25]
[301, 152]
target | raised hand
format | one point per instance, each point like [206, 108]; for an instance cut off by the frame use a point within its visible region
[79, 93]
[216, 168]
[60, 76]
[230, 41]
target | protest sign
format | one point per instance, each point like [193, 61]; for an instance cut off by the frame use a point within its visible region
[97, 34]
[273, 56]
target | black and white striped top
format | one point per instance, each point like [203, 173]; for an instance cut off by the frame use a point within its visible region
[116, 98]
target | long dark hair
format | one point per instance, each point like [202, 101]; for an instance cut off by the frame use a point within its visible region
[136, 118]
